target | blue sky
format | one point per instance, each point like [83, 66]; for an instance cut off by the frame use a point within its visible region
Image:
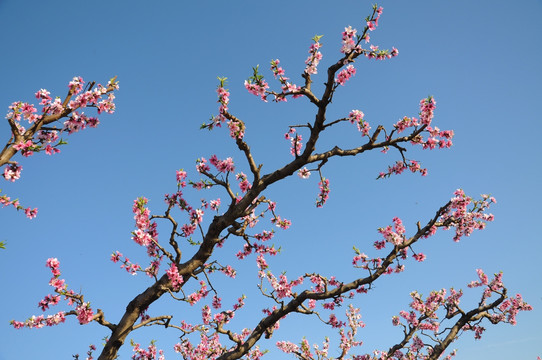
[480, 60]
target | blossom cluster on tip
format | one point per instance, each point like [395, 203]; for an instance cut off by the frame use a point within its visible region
[314, 57]
[146, 235]
[356, 117]
[236, 126]
[223, 100]
[146, 232]
[256, 85]
[427, 108]
[373, 22]
[29, 212]
[378, 54]
[348, 42]
[286, 86]
[465, 220]
[281, 223]
[83, 310]
[324, 192]
[437, 138]
[394, 236]
[90, 98]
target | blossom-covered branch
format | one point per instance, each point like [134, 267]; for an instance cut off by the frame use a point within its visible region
[45, 127]
[184, 264]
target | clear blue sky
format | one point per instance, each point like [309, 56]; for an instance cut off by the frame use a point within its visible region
[480, 60]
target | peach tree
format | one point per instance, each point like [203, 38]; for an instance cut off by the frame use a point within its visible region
[184, 241]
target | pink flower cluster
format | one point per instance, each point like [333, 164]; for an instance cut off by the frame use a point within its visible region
[37, 322]
[149, 354]
[175, 278]
[427, 108]
[236, 127]
[12, 172]
[79, 121]
[83, 310]
[423, 315]
[26, 148]
[223, 100]
[84, 313]
[282, 287]
[130, 267]
[356, 117]
[244, 184]
[395, 235]
[92, 97]
[373, 23]
[324, 192]
[304, 173]
[507, 310]
[48, 140]
[222, 165]
[146, 232]
[432, 142]
[29, 212]
[198, 295]
[20, 110]
[345, 74]
[256, 85]
[286, 87]
[295, 140]
[314, 57]
[400, 166]
[466, 221]
[281, 223]
[348, 42]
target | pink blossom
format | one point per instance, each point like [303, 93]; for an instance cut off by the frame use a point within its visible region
[304, 173]
[175, 278]
[345, 74]
[324, 192]
[348, 43]
[314, 57]
[84, 313]
[12, 172]
[244, 184]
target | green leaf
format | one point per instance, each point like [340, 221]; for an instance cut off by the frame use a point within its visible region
[317, 38]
